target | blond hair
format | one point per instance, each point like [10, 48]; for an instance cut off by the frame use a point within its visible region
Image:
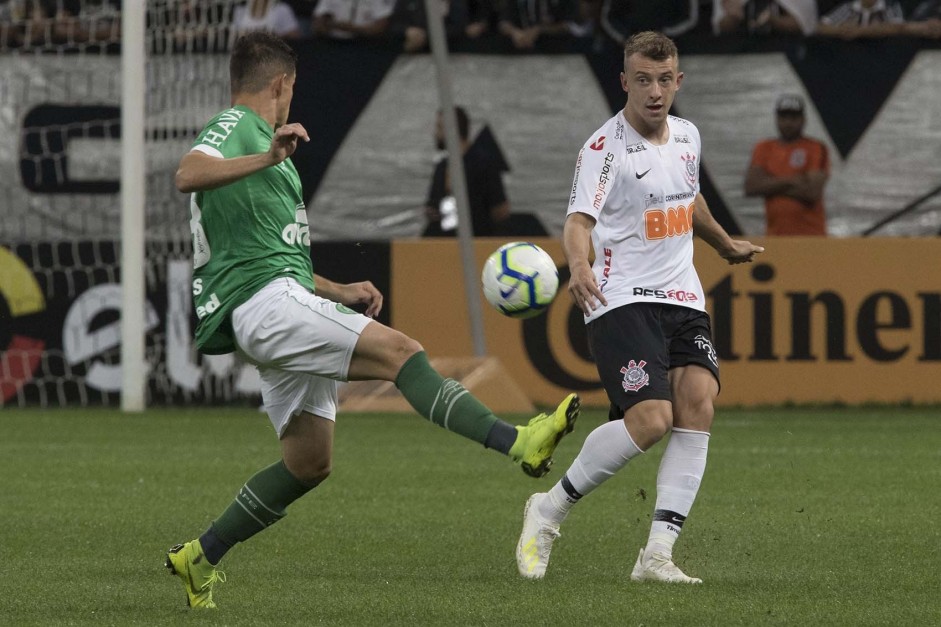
[651, 44]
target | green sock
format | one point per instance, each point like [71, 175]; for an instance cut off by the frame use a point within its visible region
[446, 402]
[260, 503]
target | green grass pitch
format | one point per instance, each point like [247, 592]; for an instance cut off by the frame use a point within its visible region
[805, 517]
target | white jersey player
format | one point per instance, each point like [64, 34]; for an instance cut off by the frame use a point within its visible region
[636, 201]
[642, 198]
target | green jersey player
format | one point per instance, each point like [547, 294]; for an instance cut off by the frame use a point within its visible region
[256, 294]
[258, 228]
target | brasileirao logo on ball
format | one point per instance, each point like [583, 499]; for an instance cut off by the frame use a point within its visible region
[520, 280]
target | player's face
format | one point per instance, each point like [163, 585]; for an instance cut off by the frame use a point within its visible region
[790, 125]
[650, 86]
[285, 97]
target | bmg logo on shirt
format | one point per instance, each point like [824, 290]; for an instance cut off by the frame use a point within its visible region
[675, 221]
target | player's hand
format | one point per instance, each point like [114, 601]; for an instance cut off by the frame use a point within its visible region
[284, 142]
[362, 293]
[740, 251]
[584, 289]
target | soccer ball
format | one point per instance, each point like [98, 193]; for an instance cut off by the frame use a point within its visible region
[520, 280]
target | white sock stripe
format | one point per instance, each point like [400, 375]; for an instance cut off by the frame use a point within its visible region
[260, 502]
[431, 412]
[447, 414]
[631, 440]
[249, 512]
[679, 430]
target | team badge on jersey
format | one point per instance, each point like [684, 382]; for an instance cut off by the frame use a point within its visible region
[634, 376]
[691, 168]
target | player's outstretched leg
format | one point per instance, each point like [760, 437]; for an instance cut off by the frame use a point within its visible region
[446, 403]
[537, 441]
[198, 576]
[535, 543]
[652, 566]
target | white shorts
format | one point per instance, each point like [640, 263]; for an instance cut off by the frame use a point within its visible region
[302, 345]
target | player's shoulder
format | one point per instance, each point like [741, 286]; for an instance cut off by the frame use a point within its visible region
[224, 126]
[613, 130]
[232, 120]
[683, 128]
[682, 122]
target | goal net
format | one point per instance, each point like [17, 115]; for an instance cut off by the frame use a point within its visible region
[60, 115]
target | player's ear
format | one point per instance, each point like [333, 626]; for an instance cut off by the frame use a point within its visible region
[277, 84]
[679, 80]
[624, 82]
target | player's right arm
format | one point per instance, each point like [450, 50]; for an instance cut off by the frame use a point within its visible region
[351, 294]
[576, 244]
[199, 171]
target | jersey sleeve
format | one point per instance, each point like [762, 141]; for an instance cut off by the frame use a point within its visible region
[596, 169]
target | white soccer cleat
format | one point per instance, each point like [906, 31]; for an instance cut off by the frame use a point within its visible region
[657, 567]
[532, 551]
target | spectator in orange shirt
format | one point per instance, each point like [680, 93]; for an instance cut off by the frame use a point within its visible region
[790, 172]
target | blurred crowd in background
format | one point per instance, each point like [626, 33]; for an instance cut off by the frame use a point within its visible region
[482, 24]
[781, 170]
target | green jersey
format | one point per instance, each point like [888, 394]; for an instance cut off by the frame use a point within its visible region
[245, 233]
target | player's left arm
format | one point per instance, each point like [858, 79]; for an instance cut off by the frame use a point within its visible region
[350, 294]
[706, 227]
[199, 171]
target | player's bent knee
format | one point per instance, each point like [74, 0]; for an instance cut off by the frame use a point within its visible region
[696, 414]
[648, 422]
[401, 349]
[313, 474]
[410, 347]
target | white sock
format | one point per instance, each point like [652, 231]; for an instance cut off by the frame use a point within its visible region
[605, 451]
[681, 471]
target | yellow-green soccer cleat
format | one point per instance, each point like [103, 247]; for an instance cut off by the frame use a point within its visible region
[536, 442]
[198, 575]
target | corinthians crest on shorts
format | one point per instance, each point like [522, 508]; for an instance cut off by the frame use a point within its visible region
[634, 376]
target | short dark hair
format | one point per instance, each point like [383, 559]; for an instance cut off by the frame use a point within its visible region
[650, 44]
[257, 58]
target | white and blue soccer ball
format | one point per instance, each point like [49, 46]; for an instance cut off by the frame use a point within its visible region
[520, 280]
